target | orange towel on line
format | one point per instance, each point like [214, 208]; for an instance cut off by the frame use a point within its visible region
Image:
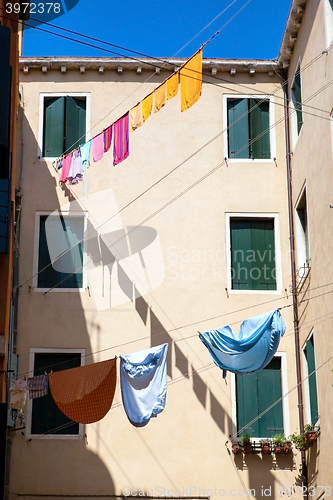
[147, 105]
[135, 117]
[160, 97]
[85, 394]
[172, 85]
[191, 81]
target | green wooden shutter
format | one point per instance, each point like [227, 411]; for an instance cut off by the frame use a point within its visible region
[262, 243]
[297, 97]
[46, 416]
[254, 394]
[75, 128]
[5, 212]
[238, 128]
[53, 138]
[310, 357]
[259, 129]
[240, 236]
[72, 260]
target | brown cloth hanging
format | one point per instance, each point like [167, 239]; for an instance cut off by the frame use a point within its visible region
[85, 394]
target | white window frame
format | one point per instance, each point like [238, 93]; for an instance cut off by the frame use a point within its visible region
[302, 241]
[34, 351]
[306, 383]
[293, 116]
[285, 398]
[328, 14]
[277, 250]
[272, 136]
[42, 97]
[84, 250]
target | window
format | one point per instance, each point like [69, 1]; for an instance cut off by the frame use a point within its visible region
[311, 385]
[248, 122]
[296, 99]
[44, 416]
[64, 124]
[303, 251]
[252, 250]
[60, 251]
[254, 394]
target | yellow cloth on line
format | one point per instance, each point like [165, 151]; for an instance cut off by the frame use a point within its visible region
[172, 85]
[147, 105]
[135, 117]
[191, 81]
[160, 97]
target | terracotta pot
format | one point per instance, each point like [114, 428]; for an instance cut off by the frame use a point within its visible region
[265, 448]
[237, 448]
[311, 436]
[287, 446]
[247, 448]
[278, 449]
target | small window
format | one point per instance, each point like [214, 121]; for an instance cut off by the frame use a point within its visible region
[46, 417]
[310, 363]
[254, 394]
[64, 124]
[302, 233]
[296, 99]
[62, 238]
[248, 128]
[252, 250]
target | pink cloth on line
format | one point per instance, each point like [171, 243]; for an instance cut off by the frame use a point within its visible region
[75, 173]
[121, 139]
[98, 146]
[66, 165]
[107, 138]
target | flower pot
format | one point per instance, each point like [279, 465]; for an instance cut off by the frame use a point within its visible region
[247, 448]
[311, 436]
[237, 448]
[287, 446]
[265, 448]
[278, 450]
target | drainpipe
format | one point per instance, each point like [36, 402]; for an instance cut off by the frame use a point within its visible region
[294, 281]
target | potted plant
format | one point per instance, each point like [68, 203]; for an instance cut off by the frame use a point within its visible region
[299, 441]
[265, 445]
[310, 433]
[237, 448]
[246, 442]
[278, 442]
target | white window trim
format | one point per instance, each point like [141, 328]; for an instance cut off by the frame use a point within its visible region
[306, 383]
[36, 251]
[300, 237]
[33, 351]
[277, 250]
[293, 116]
[285, 398]
[328, 14]
[272, 136]
[41, 119]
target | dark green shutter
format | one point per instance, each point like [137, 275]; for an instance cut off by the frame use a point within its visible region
[238, 128]
[257, 392]
[240, 235]
[310, 358]
[252, 254]
[75, 123]
[46, 416]
[48, 277]
[297, 94]
[259, 129]
[5, 210]
[54, 113]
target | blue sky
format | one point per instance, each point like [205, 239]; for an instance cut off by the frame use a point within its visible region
[162, 29]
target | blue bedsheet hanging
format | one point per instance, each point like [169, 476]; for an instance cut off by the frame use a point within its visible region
[258, 341]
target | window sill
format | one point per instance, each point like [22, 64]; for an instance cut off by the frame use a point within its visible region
[34, 437]
[44, 290]
[259, 292]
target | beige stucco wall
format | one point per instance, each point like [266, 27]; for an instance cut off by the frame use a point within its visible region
[312, 167]
[186, 445]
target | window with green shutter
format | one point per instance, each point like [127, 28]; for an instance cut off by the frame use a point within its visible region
[70, 243]
[296, 96]
[252, 250]
[254, 394]
[248, 128]
[46, 416]
[64, 126]
[312, 380]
